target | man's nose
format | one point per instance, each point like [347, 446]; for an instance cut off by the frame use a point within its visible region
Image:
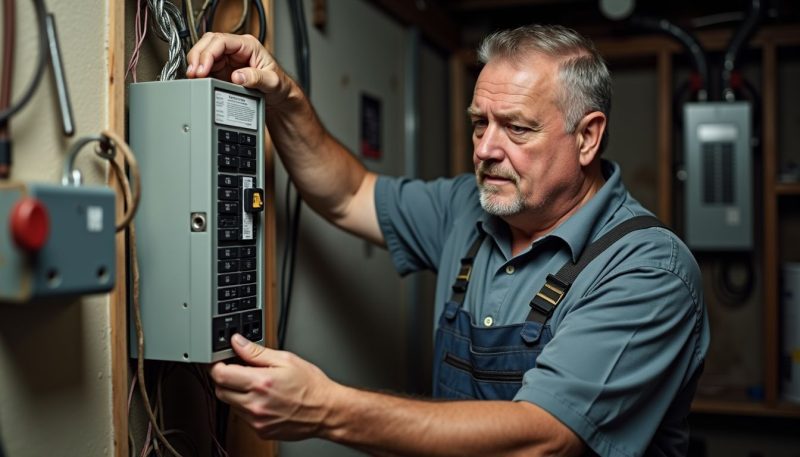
[490, 145]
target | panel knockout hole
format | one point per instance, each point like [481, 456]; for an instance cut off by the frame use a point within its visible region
[53, 278]
[198, 222]
[102, 274]
[185, 356]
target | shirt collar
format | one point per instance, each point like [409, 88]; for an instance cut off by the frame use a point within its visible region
[581, 227]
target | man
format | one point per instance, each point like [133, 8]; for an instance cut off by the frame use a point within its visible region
[606, 363]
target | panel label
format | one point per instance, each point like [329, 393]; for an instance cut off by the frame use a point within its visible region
[94, 218]
[235, 110]
[247, 218]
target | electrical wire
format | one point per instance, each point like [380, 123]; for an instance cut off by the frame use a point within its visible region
[41, 15]
[262, 19]
[243, 18]
[288, 263]
[190, 19]
[6, 108]
[729, 291]
[137, 314]
[169, 26]
[2, 449]
[9, 33]
[109, 143]
[140, 31]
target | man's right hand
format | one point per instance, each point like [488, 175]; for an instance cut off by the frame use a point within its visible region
[242, 60]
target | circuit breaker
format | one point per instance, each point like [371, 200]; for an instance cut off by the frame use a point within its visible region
[199, 143]
[719, 187]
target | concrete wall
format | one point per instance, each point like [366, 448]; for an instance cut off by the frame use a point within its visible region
[350, 310]
[55, 363]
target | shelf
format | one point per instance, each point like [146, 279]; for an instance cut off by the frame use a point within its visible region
[745, 408]
[787, 188]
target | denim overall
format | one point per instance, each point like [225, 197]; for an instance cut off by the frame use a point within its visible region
[488, 363]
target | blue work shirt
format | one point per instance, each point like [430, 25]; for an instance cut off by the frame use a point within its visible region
[629, 338]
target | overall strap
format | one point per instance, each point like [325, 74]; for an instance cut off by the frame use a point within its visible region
[462, 280]
[557, 285]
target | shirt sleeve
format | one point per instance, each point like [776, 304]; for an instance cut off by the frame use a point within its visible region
[619, 357]
[416, 216]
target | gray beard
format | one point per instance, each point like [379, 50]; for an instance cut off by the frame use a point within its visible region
[496, 208]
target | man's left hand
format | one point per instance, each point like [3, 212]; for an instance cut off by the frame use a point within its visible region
[279, 395]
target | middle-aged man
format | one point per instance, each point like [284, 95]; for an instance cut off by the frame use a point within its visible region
[600, 357]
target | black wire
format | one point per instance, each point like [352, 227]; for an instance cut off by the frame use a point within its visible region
[302, 55]
[262, 19]
[41, 14]
[729, 292]
[2, 449]
[210, 15]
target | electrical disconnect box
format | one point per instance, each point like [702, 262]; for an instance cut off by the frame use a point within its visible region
[200, 148]
[719, 188]
[56, 241]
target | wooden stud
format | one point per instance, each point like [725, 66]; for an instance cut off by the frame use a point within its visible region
[664, 160]
[771, 260]
[118, 297]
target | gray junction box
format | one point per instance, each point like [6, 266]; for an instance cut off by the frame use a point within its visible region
[719, 186]
[200, 245]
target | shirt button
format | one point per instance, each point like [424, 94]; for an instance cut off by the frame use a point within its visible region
[510, 269]
[488, 321]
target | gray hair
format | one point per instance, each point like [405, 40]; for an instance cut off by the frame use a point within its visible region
[585, 79]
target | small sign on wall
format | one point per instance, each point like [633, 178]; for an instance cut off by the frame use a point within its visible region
[370, 126]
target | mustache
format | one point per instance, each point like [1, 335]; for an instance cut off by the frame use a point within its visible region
[494, 169]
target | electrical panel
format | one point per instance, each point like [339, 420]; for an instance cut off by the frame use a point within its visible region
[57, 241]
[719, 186]
[199, 143]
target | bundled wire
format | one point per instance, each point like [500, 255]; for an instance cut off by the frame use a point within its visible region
[169, 25]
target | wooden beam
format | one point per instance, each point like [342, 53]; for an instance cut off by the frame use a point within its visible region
[458, 112]
[716, 40]
[664, 159]
[770, 219]
[479, 5]
[432, 20]
[117, 299]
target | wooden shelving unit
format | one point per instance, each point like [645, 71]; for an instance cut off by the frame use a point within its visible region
[663, 51]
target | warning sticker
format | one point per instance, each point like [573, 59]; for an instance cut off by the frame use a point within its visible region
[247, 218]
[94, 218]
[235, 110]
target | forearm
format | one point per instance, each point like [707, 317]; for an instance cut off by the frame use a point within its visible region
[330, 179]
[388, 425]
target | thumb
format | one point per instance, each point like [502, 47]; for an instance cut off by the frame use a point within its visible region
[251, 353]
[272, 82]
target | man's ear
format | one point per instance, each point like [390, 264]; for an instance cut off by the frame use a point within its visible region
[588, 135]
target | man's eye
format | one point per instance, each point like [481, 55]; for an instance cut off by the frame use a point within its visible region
[518, 129]
[479, 125]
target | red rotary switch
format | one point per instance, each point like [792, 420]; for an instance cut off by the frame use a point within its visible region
[30, 224]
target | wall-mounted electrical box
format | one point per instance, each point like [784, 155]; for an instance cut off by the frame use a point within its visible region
[55, 241]
[719, 186]
[200, 247]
